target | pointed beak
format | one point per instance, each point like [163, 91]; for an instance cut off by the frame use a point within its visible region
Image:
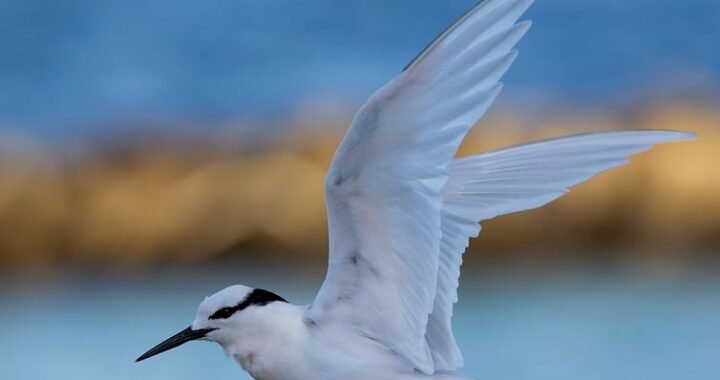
[176, 340]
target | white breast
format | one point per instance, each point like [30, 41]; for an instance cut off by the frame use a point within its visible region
[278, 343]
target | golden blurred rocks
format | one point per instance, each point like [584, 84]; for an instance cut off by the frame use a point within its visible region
[189, 201]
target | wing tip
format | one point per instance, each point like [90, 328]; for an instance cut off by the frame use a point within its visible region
[521, 26]
[683, 135]
[668, 135]
[524, 25]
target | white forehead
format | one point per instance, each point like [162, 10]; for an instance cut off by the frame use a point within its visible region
[230, 296]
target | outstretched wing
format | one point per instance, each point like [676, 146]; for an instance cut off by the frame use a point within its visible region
[509, 180]
[384, 188]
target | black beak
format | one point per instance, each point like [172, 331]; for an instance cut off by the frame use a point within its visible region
[178, 339]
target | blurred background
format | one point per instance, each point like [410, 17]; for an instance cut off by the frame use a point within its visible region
[153, 152]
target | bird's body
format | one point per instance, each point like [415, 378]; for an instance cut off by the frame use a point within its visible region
[401, 211]
[278, 341]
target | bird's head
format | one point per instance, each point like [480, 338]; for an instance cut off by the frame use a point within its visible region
[226, 317]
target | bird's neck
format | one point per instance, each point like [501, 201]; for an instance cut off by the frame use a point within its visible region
[272, 341]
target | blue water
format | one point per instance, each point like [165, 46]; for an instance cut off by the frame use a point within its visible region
[76, 66]
[515, 327]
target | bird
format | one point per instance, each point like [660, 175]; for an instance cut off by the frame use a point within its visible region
[401, 212]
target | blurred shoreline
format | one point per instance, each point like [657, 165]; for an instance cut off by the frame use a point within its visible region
[169, 199]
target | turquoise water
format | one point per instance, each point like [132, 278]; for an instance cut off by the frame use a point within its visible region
[559, 327]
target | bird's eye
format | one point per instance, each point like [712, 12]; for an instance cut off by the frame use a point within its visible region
[223, 313]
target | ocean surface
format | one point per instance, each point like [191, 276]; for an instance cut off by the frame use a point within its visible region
[568, 326]
[76, 67]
